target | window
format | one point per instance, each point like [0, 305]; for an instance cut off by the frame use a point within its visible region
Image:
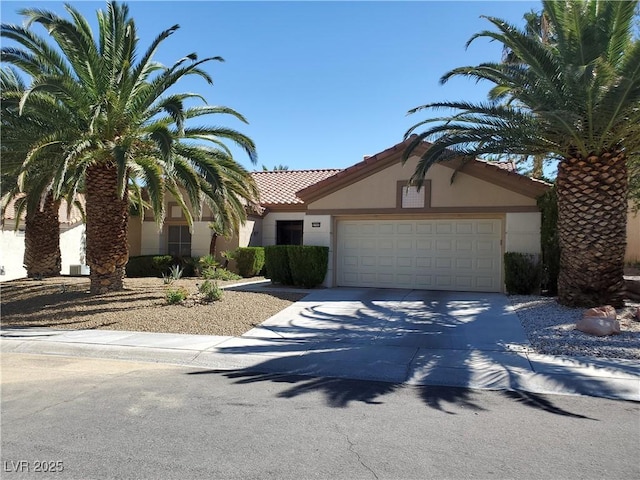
[179, 244]
[289, 232]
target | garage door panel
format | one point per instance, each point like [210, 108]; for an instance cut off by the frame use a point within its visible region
[424, 228]
[460, 254]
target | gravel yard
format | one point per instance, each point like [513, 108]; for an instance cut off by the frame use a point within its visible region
[550, 328]
[64, 303]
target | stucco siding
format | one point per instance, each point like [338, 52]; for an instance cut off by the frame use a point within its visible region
[72, 248]
[12, 251]
[465, 191]
[150, 239]
[12, 255]
[522, 232]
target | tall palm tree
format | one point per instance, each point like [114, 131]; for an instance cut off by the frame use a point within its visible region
[42, 256]
[578, 99]
[135, 129]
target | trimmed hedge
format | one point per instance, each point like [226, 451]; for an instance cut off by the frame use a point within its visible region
[308, 264]
[156, 265]
[148, 265]
[548, 204]
[276, 262]
[249, 260]
[522, 272]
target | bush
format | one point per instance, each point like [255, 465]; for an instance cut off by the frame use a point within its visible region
[190, 265]
[176, 295]
[219, 274]
[159, 265]
[276, 262]
[250, 260]
[308, 265]
[210, 291]
[148, 265]
[549, 242]
[523, 273]
[207, 262]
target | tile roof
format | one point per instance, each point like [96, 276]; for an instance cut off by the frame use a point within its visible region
[279, 187]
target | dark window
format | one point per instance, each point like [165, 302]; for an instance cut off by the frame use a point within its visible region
[179, 244]
[289, 232]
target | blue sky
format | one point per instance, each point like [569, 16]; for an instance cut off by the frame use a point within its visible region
[321, 83]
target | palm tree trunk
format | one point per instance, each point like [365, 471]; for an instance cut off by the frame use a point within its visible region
[107, 222]
[212, 244]
[592, 218]
[42, 257]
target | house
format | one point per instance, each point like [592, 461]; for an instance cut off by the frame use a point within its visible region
[380, 231]
[72, 242]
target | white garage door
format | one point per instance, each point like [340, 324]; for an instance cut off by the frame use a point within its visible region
[456, 254]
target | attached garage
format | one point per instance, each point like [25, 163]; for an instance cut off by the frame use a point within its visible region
[433, 254]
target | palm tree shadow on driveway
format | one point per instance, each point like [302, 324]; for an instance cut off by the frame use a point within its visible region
[363, 344]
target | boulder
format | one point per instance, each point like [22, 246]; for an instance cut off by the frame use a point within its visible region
[599, 326]
[602, 312]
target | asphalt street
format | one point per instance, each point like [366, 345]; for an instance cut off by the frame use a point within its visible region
[82, 418]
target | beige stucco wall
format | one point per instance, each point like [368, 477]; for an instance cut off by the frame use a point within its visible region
[466, 191]
[633, 237]
[522, 232]
[12, 251]
[134, 236]
[11, 255]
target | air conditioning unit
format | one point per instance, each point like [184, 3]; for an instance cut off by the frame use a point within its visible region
[75, 269]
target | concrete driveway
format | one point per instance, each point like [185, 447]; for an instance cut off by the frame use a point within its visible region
[403, 336]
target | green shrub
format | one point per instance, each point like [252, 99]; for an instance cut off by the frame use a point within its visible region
[189, 265]
[276, 262]
[220, 274]
[549, 242]
[523, 273]
[308, 264]
[250, 260]
[207, 262]
[148, 265]
[210, 291]
[176, 295]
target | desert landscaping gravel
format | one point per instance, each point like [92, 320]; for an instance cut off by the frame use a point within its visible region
[550, 328]
[64, 303]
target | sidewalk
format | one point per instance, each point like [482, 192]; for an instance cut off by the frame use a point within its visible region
[365, 334]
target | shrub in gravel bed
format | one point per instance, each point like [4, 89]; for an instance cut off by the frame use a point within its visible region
[522, 273]
[176, 295]
[219, 274]
[210, 291]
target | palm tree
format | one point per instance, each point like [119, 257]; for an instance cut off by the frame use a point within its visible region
[576, 98]
[42, 257]
[135, 130]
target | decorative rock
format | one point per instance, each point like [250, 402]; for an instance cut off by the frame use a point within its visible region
[598, 326]
[601, 312]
